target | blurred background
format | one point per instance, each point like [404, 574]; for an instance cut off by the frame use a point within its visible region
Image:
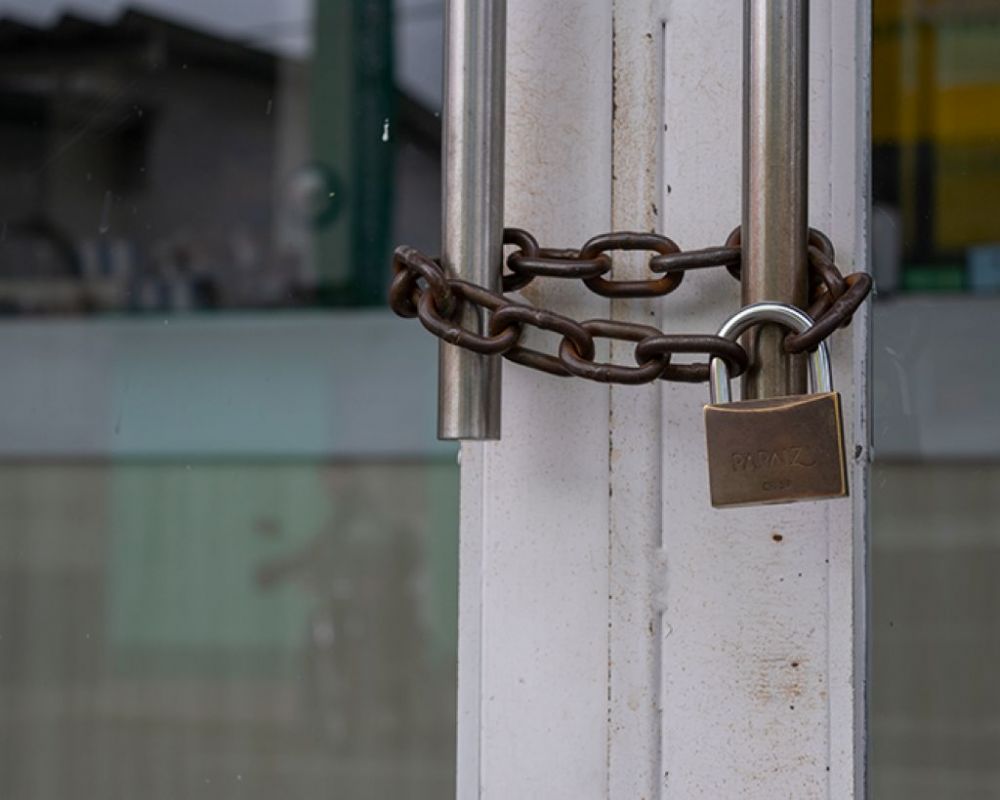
[179, 155]
[228, 559]
[936, 484]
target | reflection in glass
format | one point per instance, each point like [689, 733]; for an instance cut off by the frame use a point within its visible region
[179, 158]
[936, 517]
[936, 131]
[227, 630]
[214, 583]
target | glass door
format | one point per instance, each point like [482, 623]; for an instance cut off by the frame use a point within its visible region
[936, 482]
[228, 562]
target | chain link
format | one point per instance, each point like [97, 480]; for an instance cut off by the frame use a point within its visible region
[449, 307]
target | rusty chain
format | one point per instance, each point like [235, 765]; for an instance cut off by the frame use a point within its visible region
[421, 288]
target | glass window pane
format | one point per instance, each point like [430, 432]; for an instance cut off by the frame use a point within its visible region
[228, 566]
[936, 482]
[195, 156]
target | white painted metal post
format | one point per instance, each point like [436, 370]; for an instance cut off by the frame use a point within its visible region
[620, 639]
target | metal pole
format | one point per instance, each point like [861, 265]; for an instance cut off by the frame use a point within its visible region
[473, 150]
[775, 181]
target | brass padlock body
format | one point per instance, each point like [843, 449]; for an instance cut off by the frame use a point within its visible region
[776, 451]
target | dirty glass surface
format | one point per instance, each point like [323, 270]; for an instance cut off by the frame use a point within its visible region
[228, 562]
[179, 155]
[936, 483]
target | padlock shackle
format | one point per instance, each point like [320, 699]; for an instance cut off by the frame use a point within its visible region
[820, 371]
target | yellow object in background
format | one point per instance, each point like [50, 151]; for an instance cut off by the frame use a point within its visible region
[936, 121]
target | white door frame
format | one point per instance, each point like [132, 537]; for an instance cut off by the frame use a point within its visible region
[618, 638]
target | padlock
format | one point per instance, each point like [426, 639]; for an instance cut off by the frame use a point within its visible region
[779, 450]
